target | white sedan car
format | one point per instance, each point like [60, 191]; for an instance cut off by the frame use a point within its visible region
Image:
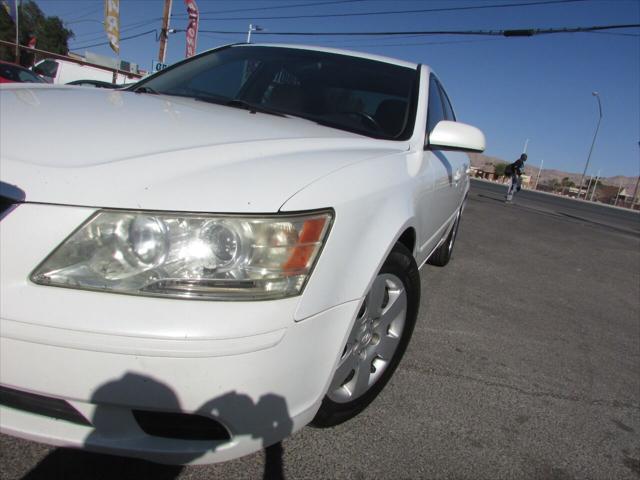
[197, 267]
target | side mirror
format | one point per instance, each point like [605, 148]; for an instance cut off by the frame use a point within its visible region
[447, 135]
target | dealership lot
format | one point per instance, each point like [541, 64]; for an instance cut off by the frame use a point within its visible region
[525, 363]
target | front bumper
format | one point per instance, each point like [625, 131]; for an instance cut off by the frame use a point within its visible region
[248, 365]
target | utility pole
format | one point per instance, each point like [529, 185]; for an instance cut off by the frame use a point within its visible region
[538, 177]
[164, 32]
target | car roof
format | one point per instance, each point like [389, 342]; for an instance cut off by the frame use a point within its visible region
[351, 53]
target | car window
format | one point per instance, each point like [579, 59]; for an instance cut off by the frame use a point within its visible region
[448, 109]
[8, 72]
[47, 68]
[365, 96]
[18, 74]
[435, 111]
[27, 76]
[224, 80]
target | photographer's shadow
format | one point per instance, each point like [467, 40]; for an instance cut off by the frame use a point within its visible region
[267, 421]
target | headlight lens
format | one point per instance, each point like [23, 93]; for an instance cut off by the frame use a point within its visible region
[188, 255]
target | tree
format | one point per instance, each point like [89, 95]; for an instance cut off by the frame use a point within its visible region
[498, 168]
[566, 184]
[553, 184]
[50, 33]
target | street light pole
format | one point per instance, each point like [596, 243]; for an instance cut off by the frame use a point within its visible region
[538, 177]
[595, 187]
[597, 95]
[618, 194]
[635, 192]
[588, 187]
[253, 28]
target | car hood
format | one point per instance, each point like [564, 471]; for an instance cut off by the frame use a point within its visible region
[101, 148]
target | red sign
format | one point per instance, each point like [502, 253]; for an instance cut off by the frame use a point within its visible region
[192, 28]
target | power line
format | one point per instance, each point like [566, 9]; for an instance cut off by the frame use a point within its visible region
[528, 32]
[503, 33]
[209, 35]
[122, 39]
[87, 13]
[348, 41]
[276, 7]
[398, 12]
[618, 34]
[90, 36]
[409, 44]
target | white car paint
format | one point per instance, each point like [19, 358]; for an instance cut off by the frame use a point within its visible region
[107, 353]
[192, 146]
[68, 71]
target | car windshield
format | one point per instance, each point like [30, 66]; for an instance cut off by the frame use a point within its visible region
[369, 97]
[18, 74]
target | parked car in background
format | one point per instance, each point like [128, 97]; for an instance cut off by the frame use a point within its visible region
[241, 263]
[12, 73]
[94, 84]
[64, 71]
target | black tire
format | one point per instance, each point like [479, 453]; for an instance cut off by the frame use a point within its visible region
[441, 256]
[400, 264]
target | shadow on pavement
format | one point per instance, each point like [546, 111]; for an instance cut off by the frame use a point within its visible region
[267, 420]
[499, 200]
[64, 463]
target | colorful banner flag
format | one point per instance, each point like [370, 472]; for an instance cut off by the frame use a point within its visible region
[112, 23]
[192, 28]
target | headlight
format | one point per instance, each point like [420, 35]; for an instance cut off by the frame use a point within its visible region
[188, 255]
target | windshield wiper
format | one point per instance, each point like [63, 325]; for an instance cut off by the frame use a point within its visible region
[237, 103]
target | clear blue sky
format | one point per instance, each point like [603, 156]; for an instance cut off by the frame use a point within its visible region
[513, 88]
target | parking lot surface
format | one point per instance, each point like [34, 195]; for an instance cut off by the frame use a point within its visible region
[525, 363]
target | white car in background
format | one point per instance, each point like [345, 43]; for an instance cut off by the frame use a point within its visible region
[60, 72]
[197, 267]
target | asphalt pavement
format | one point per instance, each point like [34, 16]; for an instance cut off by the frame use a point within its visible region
[525, 363]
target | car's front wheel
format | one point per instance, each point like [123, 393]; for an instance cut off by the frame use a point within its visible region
[377, 341]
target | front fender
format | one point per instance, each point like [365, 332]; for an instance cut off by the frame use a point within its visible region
[374, 204]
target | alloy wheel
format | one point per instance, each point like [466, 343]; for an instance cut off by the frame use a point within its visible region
[373, 340]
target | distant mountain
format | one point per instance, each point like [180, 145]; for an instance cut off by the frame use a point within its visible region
[486, 162]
